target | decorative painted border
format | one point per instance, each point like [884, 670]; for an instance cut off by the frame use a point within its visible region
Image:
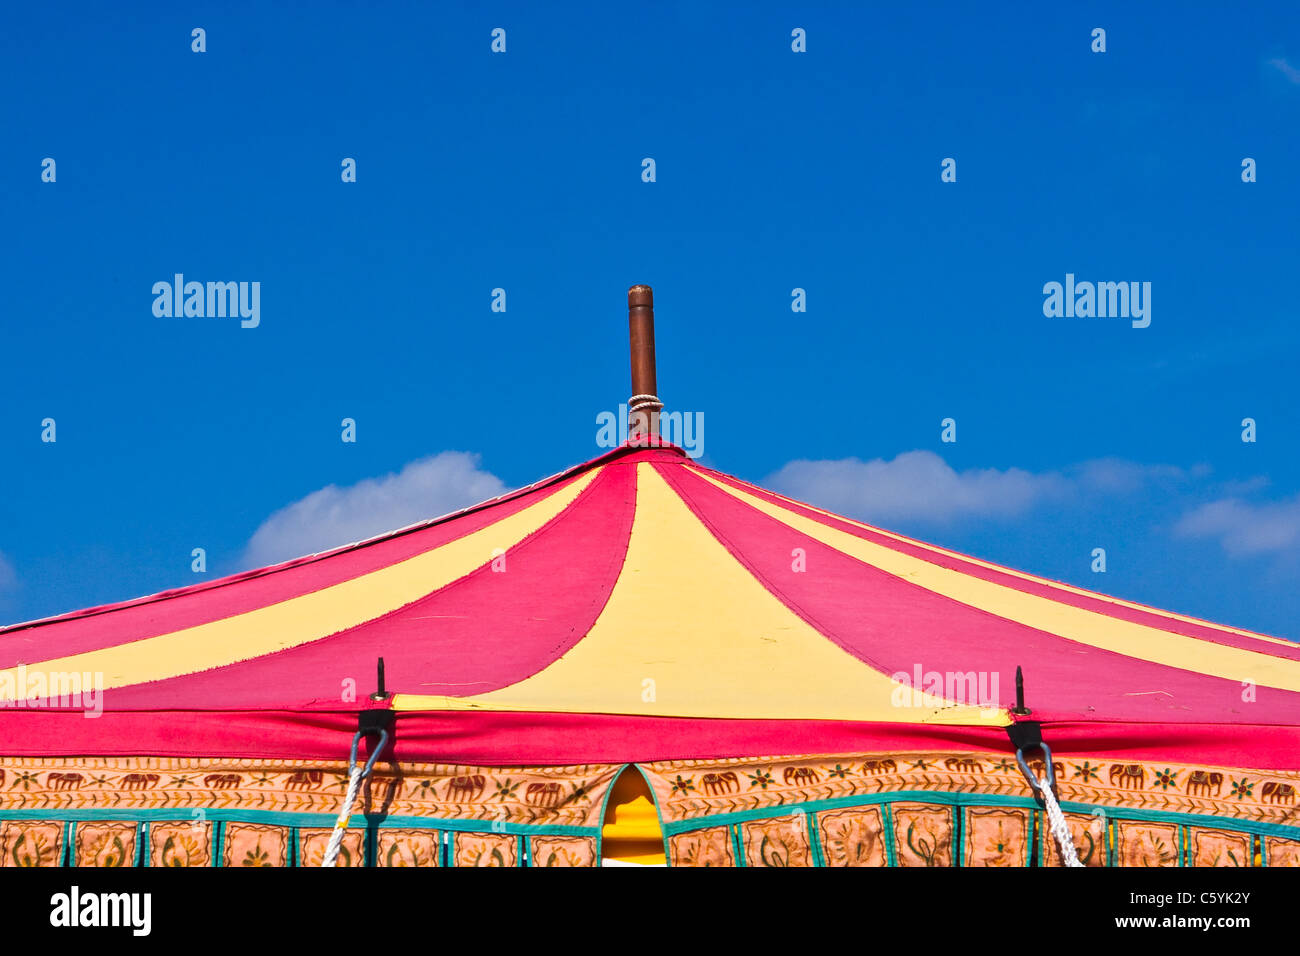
[967, 809]
[162, 838]
[162, 811]
[539, 796]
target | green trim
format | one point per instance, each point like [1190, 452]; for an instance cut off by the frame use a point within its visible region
[69, 834]
[219, 843]
[737, 844]
[815, 840]
[309, 820]
[887, 822]
[979, 800]
[958, 836]
[141, 835]
[145, 855]
[604, 805]
[654, 799]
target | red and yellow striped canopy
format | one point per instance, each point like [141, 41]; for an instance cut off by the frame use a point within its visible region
[642, 607]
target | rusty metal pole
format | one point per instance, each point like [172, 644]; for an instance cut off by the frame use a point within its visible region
[644, 405]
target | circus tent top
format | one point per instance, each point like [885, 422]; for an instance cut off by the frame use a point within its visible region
[641, 608]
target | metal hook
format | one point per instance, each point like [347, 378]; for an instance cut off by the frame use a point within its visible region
[374, 754]
[1034, 783]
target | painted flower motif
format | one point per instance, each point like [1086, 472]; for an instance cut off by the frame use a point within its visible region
[182, 781]
[108, 851]
[1088, 771]
[182, 850]
[704, 849]
[924, 841]
[852, 842]
[480, 856]
[400, 855]
[683, 784]
[506, 789]
[315, 854]
[38, 851]
[1164, 778]
[762, 779]
[25, 780]
[562, 857]
[260, 780]
[1152, 850]
[839, 771]
[1243, 788]
[921, 764]
[998, 847]
[256, 856]
[1003, 765]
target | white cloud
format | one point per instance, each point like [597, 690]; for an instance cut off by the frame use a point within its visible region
[920, 485]
[1286, 69]
[334, 516]
[916, 484]
[1116, 476]
[1245, 528]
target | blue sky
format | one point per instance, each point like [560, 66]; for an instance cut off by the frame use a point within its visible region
[775, 170]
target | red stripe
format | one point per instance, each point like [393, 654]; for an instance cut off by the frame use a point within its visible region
[480, 633]
[1100, 603]
[114, 625]
[895, 626]
[533, 739]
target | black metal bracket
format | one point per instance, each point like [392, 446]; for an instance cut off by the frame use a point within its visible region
[378, 721]
[1020, 710]
[380, 693]
[1024, 734]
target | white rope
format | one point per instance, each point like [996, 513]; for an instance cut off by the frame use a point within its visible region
[638, 402]
[345, 816]
[1056, 823]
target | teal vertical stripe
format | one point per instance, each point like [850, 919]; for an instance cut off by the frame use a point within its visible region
[959, 842]
[887, 821]
[815, 840]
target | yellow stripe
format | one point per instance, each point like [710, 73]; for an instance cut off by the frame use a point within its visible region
[1059, 585]
[689, 632]
[308, 617]
[1077, 624]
